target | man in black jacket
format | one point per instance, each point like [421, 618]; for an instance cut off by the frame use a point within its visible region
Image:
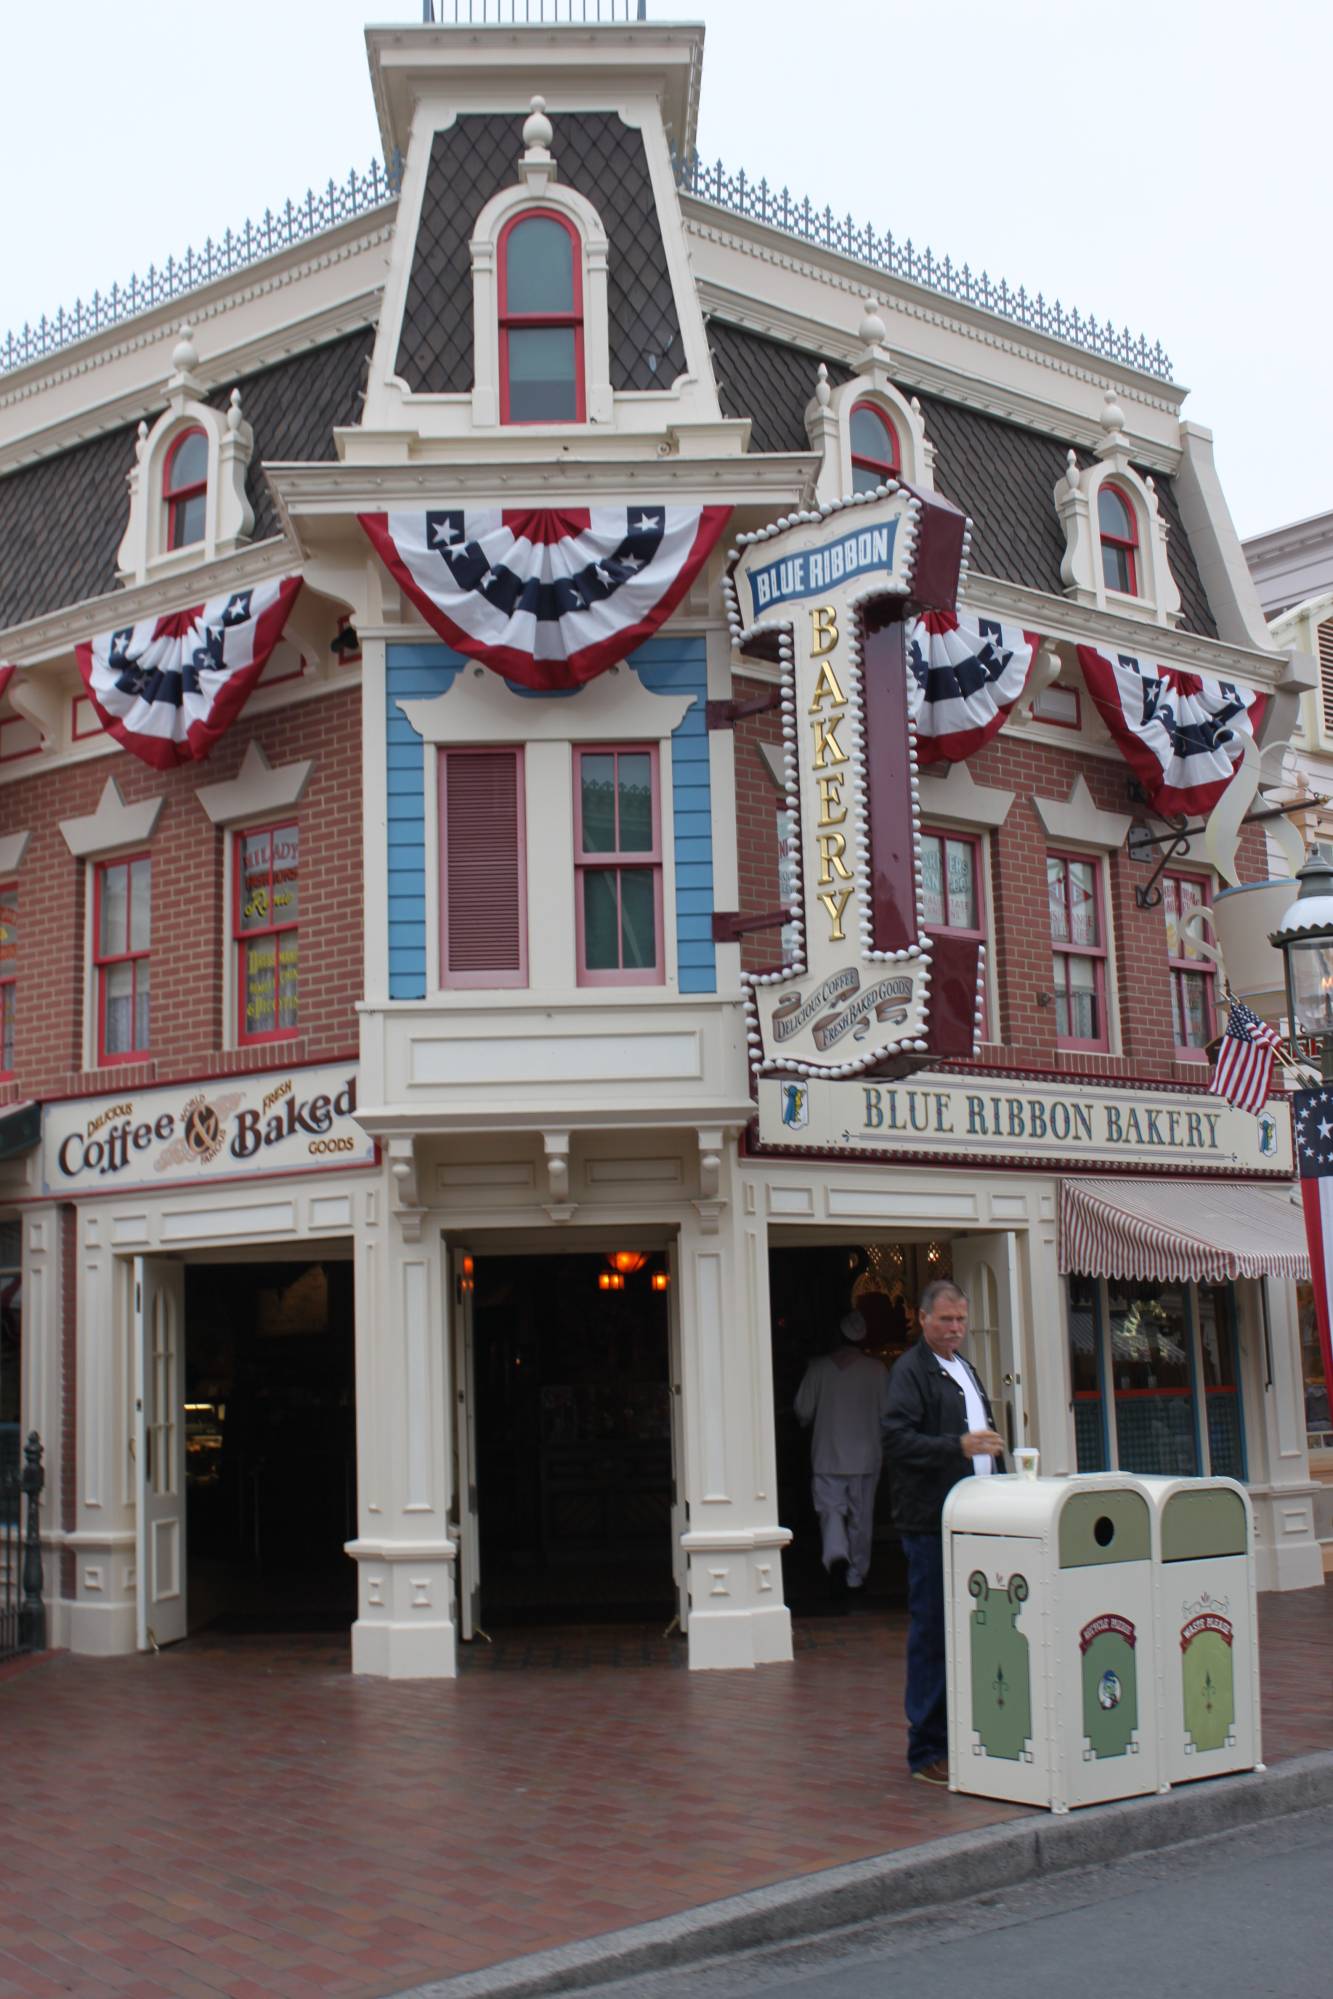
[938, 1427]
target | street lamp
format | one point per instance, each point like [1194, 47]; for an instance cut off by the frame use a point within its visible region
[1305, 939]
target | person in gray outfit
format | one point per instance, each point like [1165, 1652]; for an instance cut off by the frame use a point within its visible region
[842, 1399]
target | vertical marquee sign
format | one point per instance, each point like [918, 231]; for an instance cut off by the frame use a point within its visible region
[827, 592]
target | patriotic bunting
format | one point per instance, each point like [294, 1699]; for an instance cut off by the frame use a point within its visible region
[546, 597]
[167, 688]
[1245, 1059]
[964, 676]
[1182, 734]
[1312, 1116]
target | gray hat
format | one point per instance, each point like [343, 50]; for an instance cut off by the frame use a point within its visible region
[853, 1327]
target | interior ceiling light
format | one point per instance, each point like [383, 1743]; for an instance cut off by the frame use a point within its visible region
[627, 1261]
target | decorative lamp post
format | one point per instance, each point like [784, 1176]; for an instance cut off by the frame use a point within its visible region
[1305, 939]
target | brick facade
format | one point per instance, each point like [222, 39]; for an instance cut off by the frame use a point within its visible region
[190, 922]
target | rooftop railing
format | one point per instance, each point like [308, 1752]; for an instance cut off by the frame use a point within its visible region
[528, 13]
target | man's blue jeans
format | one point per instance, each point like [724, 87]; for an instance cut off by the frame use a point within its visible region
[927, 1697]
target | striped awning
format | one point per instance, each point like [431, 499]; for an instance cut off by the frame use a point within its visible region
[1180, 1231]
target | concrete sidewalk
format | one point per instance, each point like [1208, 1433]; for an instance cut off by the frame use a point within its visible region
[246, 1818]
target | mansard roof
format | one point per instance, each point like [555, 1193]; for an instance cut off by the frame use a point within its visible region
[62, 519]
[1002, 474]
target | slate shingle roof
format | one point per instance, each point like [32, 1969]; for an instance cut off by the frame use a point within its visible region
[597, 155]
[1001, 474]
[62, 519]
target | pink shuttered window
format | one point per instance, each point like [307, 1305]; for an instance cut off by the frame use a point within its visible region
[483, 880]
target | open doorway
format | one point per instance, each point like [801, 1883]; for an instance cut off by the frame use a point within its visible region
[270, 1446]
[571, 1389]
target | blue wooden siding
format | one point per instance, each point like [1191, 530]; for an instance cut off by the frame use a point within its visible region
[412, 673]
[665, 666]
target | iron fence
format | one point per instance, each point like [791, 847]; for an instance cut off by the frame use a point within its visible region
[22, 1612]
[529, 13]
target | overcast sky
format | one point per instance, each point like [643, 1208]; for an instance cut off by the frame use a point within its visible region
[1162, 162]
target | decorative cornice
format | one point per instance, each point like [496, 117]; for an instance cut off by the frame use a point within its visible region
[256, 789]
[1083, 624]
[12, 849]
[1081, 819]
[771, 246]
[113, 824]
[915, 371]
[60, 631]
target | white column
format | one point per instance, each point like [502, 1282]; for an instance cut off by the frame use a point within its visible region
[42, 1374]
[101, 1616]
[1282, 1493]
[405, 1549]
[733, 1541]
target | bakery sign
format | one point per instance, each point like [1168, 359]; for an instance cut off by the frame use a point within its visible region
[997, 1120]
[823, 592]
[231, 1127]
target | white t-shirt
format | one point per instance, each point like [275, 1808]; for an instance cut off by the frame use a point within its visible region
[973, 1405]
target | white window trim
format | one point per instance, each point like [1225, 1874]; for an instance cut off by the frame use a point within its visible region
[484, 248]
[1157, 600]
[143, 556]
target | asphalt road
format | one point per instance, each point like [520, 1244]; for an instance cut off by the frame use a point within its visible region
[1245, 1913]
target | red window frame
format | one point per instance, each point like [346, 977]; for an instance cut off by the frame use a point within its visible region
[978, 934]
[275, 928]
[1183, 968]
[882, 468]
[175, 497]
[9, 896]
[619, 861]
[1096, 954]
[1124, 547]
[139, 961]
[513, 321]
[488, 977]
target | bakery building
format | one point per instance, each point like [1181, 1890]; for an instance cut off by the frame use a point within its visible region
[731, 894]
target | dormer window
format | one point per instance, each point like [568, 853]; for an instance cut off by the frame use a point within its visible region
[541, 320]
[1120, 541]
[185, 488]
[875, 454]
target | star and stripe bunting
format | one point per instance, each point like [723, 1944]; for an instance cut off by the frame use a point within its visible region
[167, 688]
[546, 597]
[1312, 1118]
[1245, 1059]
[1182, 734]
[964, 675]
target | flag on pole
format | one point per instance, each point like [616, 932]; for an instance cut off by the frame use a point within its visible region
[1245, 1059]
[1312, 1117]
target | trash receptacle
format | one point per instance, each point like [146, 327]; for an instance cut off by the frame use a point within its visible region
[1207, 1626]
[1049, 1627]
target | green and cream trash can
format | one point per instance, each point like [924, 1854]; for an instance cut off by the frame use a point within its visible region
[1048, 1586]
[1207, 1626]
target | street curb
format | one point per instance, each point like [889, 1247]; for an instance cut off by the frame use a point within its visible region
[940, 1872]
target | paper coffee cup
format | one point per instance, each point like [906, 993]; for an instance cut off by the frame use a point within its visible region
[1027, 1460]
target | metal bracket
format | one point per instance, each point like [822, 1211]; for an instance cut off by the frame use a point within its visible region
[729, 926]
[726, 714]
[1140, 840]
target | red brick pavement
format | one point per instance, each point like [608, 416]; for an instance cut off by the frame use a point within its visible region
[248, 1819]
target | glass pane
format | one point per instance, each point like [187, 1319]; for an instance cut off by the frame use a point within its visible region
[258, 974]
[865, 479]
[1171, 911]
[1113, 515]
[1150, 1367]
[541, 374]
[1116, 572]
[600, 921]
[1318, 1415]
[187, 521]
[637, 919]
[635, 771]
[1190, 998]
[1177, 1023]
[932, 883]
[1089, 1430]
[1083, 902]
[597, 778]
[1060, 981]
[1055, 890]
[1190, 897]
[253, 890]
[286, 866]
[142, 977]
[1081, 986]
[113, 912]
[962, 886]
[141, 905]
[118, 1008]
[539, 267]
[189, 464]
[1216, 1343]
[288, 978]
[871, 439]
[9, 933]
[7, 1014]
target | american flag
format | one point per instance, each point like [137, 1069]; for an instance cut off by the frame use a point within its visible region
[1312, 1121]
[1245, 1059]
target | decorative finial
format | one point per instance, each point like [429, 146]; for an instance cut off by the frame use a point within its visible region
[141, 440]
[1071, 469]
[234, 418]
[823, 393]
[1113, 417]
[872, 331]
[537, 128]
[185, 355]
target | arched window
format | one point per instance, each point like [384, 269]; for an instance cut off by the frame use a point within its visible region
[875, 453]
[1120, 541]
[185, 488]
[541, 320]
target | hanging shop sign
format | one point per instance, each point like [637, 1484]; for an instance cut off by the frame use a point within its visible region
[288, 1121]
[825, 593]
[1002, 1120]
